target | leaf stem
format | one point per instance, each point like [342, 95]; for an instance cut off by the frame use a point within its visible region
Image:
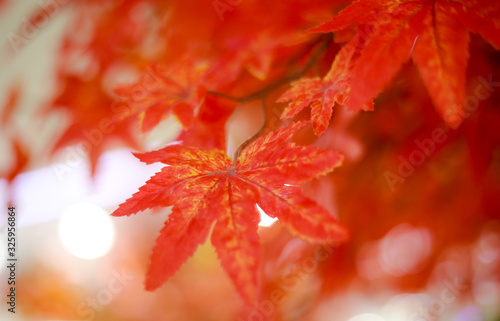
[325, 40]
[254, 136]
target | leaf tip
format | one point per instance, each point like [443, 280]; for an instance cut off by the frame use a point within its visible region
[151, 285]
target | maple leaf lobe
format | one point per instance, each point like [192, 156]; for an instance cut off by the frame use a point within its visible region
[205, 189]
[435, 34]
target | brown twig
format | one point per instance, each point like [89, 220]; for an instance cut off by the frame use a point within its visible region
[262, 93]
[254, 136]
[326, 40]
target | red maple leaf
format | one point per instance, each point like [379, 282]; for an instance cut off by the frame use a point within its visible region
[91, 111]
[22, 159]
[175, 90]
[434, 33]
[207, 187]
[322, 94]
[11, 104]
[208, 129]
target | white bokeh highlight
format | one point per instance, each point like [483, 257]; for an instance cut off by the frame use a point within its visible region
[265, 220]
[86, 230]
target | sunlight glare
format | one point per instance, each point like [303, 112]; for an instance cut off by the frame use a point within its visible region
[265, 220]
[86, 230]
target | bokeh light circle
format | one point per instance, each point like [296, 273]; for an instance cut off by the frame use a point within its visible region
[86, 230]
